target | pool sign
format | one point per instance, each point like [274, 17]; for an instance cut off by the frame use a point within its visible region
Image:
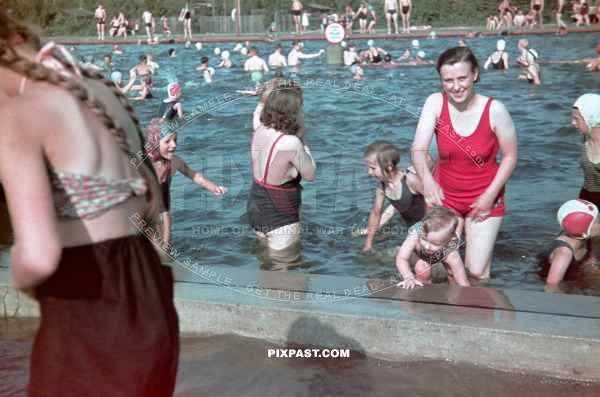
[334, 33]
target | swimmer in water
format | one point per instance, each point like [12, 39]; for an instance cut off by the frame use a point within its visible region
[161, 144]
[145, 88]
[499, 58]
[375, 54]
[277, 59]
[594, 64]
[142, 69]
[225, 60]
[403, 188]
[116, 50]
[172, 53]
[255, 63]
[171, 107]
[350, 55]
[207, 72]
[358, 72]
[430, 242]
[117, 79]
[296, 55]
[579, 222]
[528, 61]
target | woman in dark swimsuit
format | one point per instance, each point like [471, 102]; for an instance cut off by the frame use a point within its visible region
[405, 14]
[297, 8]
[361, 14]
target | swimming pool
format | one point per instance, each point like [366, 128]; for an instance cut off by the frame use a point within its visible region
[341, 120]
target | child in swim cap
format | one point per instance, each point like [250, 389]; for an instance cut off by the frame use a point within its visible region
[429, 243]
[578, 220]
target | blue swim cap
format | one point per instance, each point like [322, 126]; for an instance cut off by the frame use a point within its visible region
[256, 76]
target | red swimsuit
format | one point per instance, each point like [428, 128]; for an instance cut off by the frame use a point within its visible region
[467, 164]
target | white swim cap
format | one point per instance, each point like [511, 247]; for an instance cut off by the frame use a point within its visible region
[589, 107]
[244, 51]
[237, 47]
[421, 54]
[116, 77]
[343, 44]
[500, 45]
[188, 44]
[415, 43]
[301, 44]
[370, 43]
[576, 217]
[217, 51]
[534, 53]
[432, 34]
[198, 46]
[225, 55]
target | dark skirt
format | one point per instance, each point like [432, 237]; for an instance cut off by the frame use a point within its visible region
[108, 324]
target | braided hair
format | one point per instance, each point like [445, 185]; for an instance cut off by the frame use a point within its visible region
[10, 59]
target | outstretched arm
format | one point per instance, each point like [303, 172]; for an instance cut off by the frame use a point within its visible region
[197, 177]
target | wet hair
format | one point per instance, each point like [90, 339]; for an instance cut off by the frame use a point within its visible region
[388, 156]
[254, 49]
[143, 58]
[204, 59]
[109, 56]
[171, 51]
[282, 108]
[387, 57]
[457, 55]
[439, 218]
[10, 59]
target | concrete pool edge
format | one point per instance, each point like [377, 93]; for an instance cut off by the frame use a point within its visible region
[392, 329]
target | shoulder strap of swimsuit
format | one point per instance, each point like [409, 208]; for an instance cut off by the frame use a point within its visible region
[486, 113]
[266, 174]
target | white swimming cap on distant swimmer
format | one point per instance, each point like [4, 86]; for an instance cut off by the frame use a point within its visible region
[589, 107]
[576, 217]
[217, 51]
[188, 44]
[421, 54]
[415, 43]
[534, 53]
[198, 46]
[237, 47]
[343, 44]
[370, 43]
[500, 45]
[225, 54]
[244, 51]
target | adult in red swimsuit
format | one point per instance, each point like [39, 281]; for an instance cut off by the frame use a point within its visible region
[470, 129]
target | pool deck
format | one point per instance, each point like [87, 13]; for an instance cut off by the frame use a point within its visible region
[458, 32]
[518, 331]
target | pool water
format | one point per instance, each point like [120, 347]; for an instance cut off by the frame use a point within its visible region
[341, 120]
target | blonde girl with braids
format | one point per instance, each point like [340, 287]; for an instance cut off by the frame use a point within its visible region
[403, 188]
[79, 208]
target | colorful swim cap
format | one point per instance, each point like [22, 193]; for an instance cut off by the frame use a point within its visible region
[576, 217]
[217, 51]
[116, 77]
[415, 43]
[256, 76]
[500, 45]
[174, 90]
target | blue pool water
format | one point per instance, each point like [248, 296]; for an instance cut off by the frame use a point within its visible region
[340, 123]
